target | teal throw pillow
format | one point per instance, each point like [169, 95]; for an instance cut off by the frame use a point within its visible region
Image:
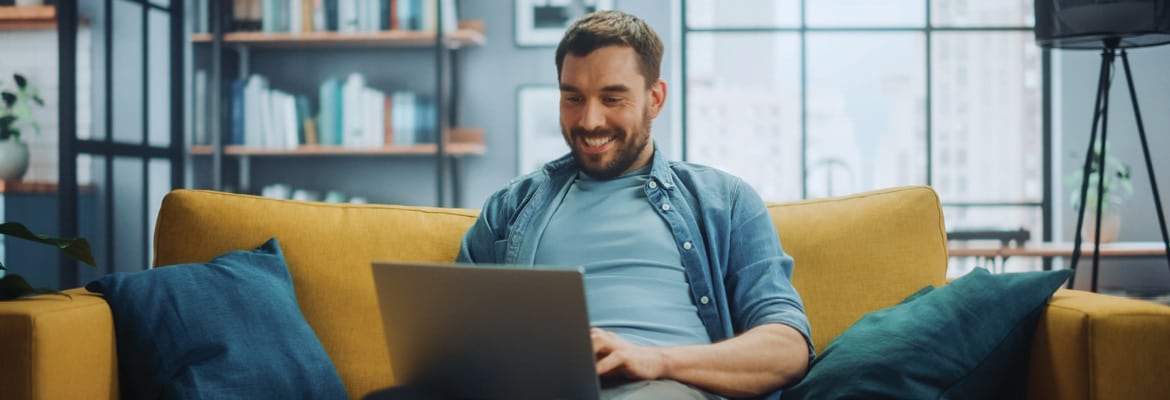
[966, 340]
[227, 329]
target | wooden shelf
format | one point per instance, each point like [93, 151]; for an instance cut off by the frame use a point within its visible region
[28, 17]
[320, 150]
[37, 187]
[454, 39]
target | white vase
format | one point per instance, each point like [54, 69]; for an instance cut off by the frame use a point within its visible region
[23, 3]
[1110, 226]
[13, 159]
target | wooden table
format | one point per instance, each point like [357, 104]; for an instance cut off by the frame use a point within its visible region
[1055, 249]
[997, 254]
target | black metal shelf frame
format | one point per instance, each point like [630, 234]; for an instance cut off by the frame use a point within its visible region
[70, 146]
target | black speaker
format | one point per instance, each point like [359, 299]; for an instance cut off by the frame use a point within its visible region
[1095, 24]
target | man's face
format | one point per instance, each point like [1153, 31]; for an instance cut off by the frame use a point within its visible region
[606, 111]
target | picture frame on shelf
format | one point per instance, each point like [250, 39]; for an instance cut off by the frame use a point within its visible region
[538, 119]
[541, 23]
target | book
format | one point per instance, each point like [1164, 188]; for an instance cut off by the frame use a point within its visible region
[255, 113]
[347, 16]
[311, 132]
[304, 117]
[331, 15]
[328, 111]
[389, 124]
[306, 15]
[374, 103]
[235, 135]
[200, 134]
[319, 24]
[353, 110]
[293, 14]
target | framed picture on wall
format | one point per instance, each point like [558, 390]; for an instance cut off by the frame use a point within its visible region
[543, 22]
[539, 129]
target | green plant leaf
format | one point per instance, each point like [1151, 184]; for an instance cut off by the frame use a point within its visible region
[20, 81]
[78, 248]
[9, 98]
[13, 286]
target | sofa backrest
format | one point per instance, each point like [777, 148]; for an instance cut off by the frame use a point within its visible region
[328, 248]
[861, 253]
[853, 255]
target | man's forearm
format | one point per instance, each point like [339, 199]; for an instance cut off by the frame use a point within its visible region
[758, 361]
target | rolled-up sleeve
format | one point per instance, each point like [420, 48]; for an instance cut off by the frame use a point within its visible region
[759, 272]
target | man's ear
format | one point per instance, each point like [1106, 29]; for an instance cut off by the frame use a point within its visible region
[657, 97]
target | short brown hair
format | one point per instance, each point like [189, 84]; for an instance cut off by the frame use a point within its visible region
[613, 28]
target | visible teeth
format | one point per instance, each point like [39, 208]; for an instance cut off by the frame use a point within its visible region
[594, 142]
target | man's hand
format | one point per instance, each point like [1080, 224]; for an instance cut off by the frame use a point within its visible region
[618, 358]
[756, 362]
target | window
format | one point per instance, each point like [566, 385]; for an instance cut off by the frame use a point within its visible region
[867, 94]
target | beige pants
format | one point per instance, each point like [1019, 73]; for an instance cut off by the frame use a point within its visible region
[655, 390]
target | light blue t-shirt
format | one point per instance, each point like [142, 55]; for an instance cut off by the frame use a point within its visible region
[635, 284]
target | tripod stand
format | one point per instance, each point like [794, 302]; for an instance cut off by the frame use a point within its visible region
[1101, 114]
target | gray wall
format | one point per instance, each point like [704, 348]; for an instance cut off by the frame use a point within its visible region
[490, 77]
[1076, 81]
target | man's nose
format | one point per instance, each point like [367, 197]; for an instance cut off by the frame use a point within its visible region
[592, 117]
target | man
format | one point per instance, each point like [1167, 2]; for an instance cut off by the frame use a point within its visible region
[687, 286]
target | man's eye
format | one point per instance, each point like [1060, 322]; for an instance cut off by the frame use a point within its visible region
[573, 99]
[612, 100]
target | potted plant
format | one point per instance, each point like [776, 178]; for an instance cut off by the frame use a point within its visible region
[13, 286]
[16, 100]
[1116, 187]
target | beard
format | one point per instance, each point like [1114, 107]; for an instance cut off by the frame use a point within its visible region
[631, 143]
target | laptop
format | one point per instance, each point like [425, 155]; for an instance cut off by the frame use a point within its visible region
[487, 332]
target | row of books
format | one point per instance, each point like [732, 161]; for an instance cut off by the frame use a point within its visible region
[349, 114]
[355, 115]
[330, 15]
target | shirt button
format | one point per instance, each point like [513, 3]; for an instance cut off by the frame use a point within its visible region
[704, 300]
[666, 207]
[653, 185]
[687, 245]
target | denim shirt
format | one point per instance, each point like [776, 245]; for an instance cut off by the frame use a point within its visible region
[739, 276]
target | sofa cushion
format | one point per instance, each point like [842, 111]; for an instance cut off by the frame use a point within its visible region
[861, 253]
[228, 328]
[328, 248]
[968, 339]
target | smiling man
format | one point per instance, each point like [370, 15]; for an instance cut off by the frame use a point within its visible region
[688, 289]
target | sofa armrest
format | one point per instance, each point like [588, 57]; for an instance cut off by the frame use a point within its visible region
[1093, 346]
[54, 347]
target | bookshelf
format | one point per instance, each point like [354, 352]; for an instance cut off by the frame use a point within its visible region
[321, 150]
[306, 40]
[444, 139]
[28, 17]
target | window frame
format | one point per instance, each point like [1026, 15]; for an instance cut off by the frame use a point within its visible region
[928, 29]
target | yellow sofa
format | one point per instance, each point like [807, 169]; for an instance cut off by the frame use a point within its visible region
[853, 255]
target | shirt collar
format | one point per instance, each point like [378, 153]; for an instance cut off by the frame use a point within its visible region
[659, 169]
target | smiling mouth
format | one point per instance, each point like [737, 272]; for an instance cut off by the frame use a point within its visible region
[597, 142]
[597, 145]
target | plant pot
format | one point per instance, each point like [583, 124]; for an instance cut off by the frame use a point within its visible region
[23, 3]
[1110, 226]
[13, 159]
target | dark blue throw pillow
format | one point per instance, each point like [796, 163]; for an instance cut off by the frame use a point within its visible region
[969, 339]
[227, 329]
